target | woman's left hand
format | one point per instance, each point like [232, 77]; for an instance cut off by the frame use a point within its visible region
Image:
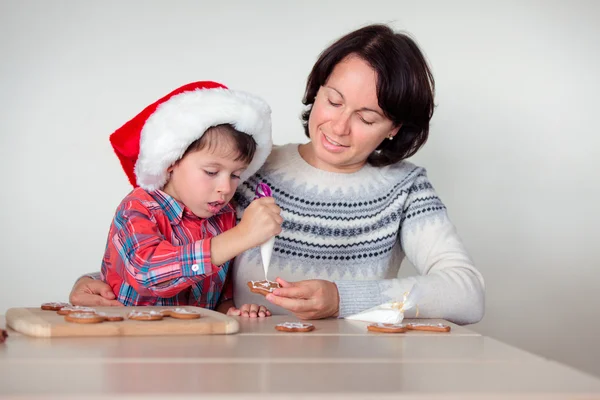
[310, 299]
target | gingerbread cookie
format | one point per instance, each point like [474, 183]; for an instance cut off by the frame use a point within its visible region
[181, 313]
[387, 328]
[3, 335]
[84, 318]
[78, 309]
[110, 317]
[263, 287]
[428, 327]
[295, 327]
[52, 306]
[145, 315]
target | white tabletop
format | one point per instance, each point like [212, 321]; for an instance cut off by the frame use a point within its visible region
[340, 359]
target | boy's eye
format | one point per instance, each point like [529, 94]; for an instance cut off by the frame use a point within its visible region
[210, 173]
[234, 176]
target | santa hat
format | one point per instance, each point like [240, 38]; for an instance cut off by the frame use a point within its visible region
[156, 138]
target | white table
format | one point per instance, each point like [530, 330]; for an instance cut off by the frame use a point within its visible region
[340, 359]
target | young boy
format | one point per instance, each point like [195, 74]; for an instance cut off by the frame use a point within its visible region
[172, 237]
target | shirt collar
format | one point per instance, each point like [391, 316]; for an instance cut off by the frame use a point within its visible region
[175, 210]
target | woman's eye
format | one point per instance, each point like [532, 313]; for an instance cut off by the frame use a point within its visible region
[365, 121]
[333, 104]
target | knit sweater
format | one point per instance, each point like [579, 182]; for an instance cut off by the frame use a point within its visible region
[355, 229]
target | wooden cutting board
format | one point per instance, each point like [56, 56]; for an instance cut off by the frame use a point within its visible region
[41, 323]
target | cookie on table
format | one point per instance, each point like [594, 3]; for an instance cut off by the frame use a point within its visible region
[78, 309]
[387, 328]
[428, 327]
[84, 318]
[181, 313]
[263, 287]
[295, 327]
[110, 317]
[54, 306]
[145, 315]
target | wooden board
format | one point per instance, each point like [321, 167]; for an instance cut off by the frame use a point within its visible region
[41, 323]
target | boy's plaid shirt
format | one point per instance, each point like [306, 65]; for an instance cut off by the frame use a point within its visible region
[158, 253]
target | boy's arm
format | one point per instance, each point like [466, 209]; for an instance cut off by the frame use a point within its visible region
[152, 265]
[261, 221]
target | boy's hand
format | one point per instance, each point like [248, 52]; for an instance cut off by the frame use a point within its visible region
[261, 221]
[250, 311]
[91, 292]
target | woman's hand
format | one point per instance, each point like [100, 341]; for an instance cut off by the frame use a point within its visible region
[249, 310]
[92, 292]
[310, 299]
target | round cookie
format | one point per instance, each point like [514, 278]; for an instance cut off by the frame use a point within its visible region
[295, 327]
[181, 313]
[52, 306]
[78, 309]
[111, 317]
[387, 328]
[84, 318]
[145, 315]
[263, 287]
[428, 327]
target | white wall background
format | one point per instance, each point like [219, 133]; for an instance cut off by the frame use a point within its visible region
[513, 152]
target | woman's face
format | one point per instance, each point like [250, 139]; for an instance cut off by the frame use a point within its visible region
[346, 124]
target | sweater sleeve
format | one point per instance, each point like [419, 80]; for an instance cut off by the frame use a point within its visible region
[451, 287]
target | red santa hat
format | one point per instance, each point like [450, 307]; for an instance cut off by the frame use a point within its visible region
[157, 137]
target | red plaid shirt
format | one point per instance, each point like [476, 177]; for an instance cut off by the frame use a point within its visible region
[158, 253]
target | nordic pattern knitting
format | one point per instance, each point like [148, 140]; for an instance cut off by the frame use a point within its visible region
[346, 231]
[355, 229]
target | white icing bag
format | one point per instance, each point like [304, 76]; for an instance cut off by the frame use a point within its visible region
[391, 312]
[266, 249]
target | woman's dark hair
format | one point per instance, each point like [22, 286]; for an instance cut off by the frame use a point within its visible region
[215, 136]
[405, 86]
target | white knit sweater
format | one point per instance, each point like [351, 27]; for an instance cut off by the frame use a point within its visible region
[355, 229]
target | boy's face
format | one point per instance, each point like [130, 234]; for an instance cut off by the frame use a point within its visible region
[205, 180]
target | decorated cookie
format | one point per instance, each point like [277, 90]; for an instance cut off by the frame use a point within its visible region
[78, 309]
[263, 287]
[110, 317]
[181, 313]
[53, 306]
[387, 328]
[428, 327]
[84, 318]
[145, 315]
[295, 327]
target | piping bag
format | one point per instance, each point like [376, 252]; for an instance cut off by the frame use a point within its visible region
[266, 249]
[391, 312]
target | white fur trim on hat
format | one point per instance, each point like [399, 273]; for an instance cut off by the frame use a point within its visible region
[184, 118]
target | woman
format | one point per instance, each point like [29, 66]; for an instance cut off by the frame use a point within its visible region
[352, 208]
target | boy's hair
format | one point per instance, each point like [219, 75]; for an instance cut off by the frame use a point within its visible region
[405, 86]
[223, 136]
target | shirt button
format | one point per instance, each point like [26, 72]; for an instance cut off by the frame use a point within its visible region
[195, 267]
